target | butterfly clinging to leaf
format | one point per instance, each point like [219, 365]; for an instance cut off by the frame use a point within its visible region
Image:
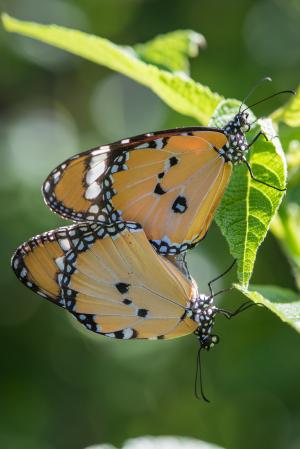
[171, 182]
[111, 279]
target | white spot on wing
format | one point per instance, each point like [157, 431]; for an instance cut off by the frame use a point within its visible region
[180, 208]
[101, 150]
[95, 172]
[114, 168]
[60, 263]
[97, 159]
[143, 145]
[92, 191]
[56, 177]
[159, 144]
[64, 244]
[59, 278]
[47, 186]
[94, 209]
[128, 333]
[89, 238]
[111, 334]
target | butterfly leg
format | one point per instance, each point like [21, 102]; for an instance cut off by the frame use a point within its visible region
[261, 133]
[244, 306]
[259, 180]
[219, 277]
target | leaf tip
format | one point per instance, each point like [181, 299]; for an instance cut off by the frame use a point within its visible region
[9, 23]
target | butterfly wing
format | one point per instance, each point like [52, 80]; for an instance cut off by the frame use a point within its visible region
[110, 278]
[170, 182]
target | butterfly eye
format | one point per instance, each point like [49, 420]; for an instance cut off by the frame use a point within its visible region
[246, 127]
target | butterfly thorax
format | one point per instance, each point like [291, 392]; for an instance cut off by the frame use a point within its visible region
[202, 310]
[237, 146]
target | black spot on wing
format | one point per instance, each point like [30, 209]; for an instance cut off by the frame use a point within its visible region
[122, 287]
[159, 190]
[142, 313]
[180, 205]
[173, 161]
[127, 301]
[161, 175]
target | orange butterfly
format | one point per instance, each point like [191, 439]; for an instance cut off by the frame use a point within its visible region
[171, 182]
[111, 279]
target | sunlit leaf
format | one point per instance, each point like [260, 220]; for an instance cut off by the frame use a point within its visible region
[290, 112]
[225, 111]
[162, 442]
[172, 51]
[168, 442]
[283, 302]
[180, 92]
[101, 446]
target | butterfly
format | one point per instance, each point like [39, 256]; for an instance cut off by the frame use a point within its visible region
[110, 278]
[171, 182]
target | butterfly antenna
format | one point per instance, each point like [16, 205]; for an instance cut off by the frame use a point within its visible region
[256, 85]
[198, 379]
[288, 91]
[244, 306]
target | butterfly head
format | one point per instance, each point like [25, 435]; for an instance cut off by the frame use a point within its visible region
[202, 310]
[237, 146]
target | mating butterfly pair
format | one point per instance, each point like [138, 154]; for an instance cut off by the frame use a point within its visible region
[105, 271]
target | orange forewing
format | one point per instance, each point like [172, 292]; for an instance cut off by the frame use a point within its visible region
[171, 182]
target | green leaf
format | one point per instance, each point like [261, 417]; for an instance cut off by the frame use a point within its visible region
[180, 92]
[248, 207]
[171, 51]
[290, 112]
[286, 224]
[225, 111]
[101, 446]
[283, 302]
[290, 139]
[165, 442]
[286, 228]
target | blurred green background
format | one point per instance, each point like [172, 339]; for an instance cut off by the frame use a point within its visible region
[60, 387]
